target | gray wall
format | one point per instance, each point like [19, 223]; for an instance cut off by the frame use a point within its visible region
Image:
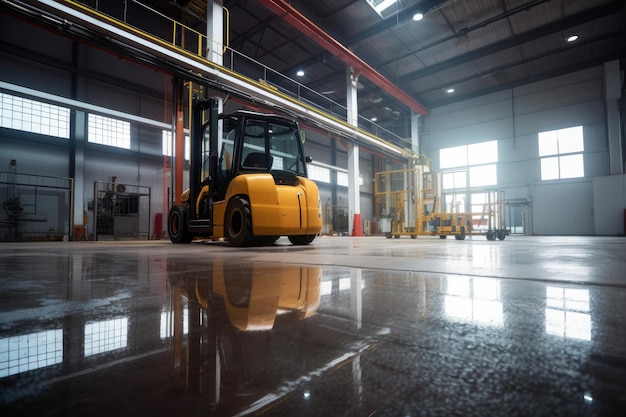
[514, 118]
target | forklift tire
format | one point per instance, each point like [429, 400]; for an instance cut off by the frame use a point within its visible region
[459, 237]
[238, 224]
[301, 240]
[177, 225]
[442, 236]
[501, 234]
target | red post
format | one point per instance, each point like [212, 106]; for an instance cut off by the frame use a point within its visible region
[357, 229]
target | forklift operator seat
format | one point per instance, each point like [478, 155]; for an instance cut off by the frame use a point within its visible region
[256, 160]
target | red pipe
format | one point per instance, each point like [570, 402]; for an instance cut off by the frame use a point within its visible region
[304, 25]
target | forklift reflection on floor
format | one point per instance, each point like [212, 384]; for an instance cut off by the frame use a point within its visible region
[224, 325]
[253, 295]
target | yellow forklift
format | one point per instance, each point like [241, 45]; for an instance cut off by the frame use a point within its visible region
[252, 191]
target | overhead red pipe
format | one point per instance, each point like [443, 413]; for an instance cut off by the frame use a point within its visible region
[303, 24]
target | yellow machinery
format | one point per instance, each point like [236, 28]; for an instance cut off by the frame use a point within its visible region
[412, 200]
[414, 203]
[251, 192]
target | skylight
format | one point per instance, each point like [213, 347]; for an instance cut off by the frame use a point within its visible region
[382, 7]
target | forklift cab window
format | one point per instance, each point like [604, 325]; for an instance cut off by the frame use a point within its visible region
[228, 142]
[282, 142]
[254, 155]
[286, 149]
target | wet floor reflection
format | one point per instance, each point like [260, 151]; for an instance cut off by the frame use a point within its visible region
[101, 334]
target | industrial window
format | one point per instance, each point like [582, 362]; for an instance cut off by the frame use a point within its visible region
[477, 163]
[30, 351]
[34, 116]
[167, 145]
[343, 180]
[107, 131]
[561, 153]
[317, 173]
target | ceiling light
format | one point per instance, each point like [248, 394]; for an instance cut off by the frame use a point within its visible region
[572, 38]
[418, 16]
[374, 119]
[300, 73]
[450, 90]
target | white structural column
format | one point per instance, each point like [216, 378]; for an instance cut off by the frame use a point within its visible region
[354, 197]
[215, 31]
[215, 45]
[415, 134]
[613, 92]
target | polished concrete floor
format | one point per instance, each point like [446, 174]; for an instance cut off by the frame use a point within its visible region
[365, 326]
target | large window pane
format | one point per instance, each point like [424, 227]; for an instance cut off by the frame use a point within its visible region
[317, 173]
[453, 157]
[33, 116]
[572, 166]
[571, 140]
[548, 143]
[454, 180]
[550, 168]
[482, 153]
[562, 142]
[483, 175]
[107, 131]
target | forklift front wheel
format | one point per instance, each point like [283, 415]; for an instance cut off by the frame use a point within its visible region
[237, 223]
[301, 239]
[177, 225]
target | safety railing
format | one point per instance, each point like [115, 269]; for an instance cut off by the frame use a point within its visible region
[156, 24]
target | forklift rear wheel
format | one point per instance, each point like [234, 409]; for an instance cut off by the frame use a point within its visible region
[177, 225]
[301, 239]
[443, 236]
[459, 237]
[237, 223]
[501, 234]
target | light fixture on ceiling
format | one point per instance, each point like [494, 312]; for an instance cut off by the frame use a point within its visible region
[300, 73]
[418, 16]
[450, 90]
[572, 38]
[374, 119]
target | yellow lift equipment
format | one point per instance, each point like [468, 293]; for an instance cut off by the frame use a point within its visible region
[413, 202]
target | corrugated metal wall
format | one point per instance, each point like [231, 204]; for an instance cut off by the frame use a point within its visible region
[514, 118]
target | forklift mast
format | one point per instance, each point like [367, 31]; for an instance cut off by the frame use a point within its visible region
[198, 129]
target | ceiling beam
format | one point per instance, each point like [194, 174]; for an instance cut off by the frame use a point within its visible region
[306, 26]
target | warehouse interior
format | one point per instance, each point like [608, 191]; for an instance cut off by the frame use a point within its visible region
[513, 108]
